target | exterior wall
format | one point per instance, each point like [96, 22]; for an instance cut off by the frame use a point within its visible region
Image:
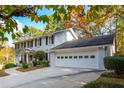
[69, 36]
[17, 58]
[101, 55]
[59, 38]
[52, 59]
[97, 63]
[110, 50]
[77, 63]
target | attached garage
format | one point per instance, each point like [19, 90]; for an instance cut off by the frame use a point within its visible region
[82, 53]
[81, 59]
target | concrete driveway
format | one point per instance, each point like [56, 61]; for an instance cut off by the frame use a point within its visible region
[51, 77]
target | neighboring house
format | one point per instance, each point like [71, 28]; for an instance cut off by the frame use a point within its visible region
[64, 49]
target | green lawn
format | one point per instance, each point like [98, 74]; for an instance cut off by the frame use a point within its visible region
[3, 73]
[111, 80]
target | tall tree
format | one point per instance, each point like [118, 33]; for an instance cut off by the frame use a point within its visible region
[87, 18]
[32, 33]
[54, 25]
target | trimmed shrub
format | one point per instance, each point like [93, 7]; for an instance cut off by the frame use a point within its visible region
[35, 63]
[102, 84]
[115, 63]
[21, 62]
[39, 55]
[25, 65]
[10, 65]
[43, 63]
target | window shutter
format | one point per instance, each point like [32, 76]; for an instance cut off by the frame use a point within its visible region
[52, 39]
[40, 41]
[24, 44]
[15, 46]
[28, 44]
[46, 40]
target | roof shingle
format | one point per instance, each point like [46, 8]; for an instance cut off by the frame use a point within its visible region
[100, 40]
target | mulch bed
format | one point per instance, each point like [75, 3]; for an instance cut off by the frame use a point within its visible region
[29, 69]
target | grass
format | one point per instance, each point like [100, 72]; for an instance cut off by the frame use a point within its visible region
[3, 73]
[111, 80]
[112, 75]
[28, 69]
[106, 80]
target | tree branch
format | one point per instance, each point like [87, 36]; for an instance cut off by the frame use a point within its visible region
[18, 12]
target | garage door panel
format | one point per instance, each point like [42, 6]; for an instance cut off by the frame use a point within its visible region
[83, 62]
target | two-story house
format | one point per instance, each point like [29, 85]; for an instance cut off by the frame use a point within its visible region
[24, 48]
[63, 48]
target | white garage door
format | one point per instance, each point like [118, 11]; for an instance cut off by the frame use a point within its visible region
[80, 59]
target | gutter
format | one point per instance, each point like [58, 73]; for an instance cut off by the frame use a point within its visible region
[78, 48]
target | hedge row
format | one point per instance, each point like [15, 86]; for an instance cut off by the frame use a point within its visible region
[115, 63]
[43, 63]
[10, 65]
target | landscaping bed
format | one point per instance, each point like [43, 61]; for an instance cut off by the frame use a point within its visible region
[107, 80]
[3, 73]
[33, 66]
[28, 69]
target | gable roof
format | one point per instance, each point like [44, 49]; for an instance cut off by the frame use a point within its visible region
[100, 40]
[48, 34]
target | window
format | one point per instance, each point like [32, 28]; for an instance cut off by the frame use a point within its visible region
[49, 40]
[35, 42]
[66, 57]
[16, 46]
[46, 56]
[52, 38]
[58, 57]
[40, 41]
[24, 44]
[62, 57]
[46, 40]
[86, 57]
[75, 57]
[80, 57]
[31, 43]
[28, 44]
[70, 57]
[92, 56]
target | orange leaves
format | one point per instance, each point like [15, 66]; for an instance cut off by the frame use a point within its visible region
[74, 13]
[83, 19]
[78, 19]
